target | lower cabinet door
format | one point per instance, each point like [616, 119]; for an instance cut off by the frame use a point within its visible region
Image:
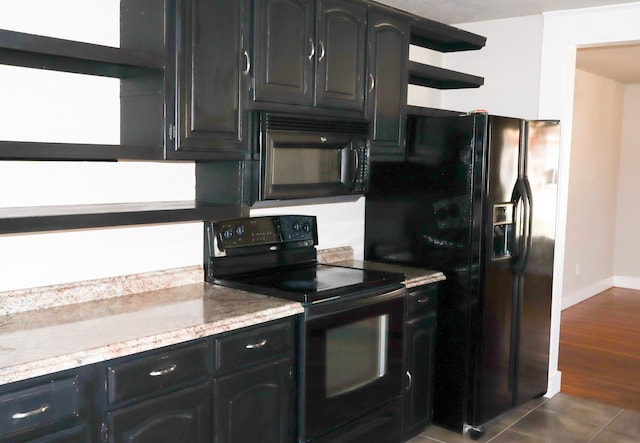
[75, 435]
[418, 395]
[255, 405]
[181, 417]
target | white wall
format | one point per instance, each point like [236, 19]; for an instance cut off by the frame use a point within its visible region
[593, 187]
[509, 63]
[627, 240]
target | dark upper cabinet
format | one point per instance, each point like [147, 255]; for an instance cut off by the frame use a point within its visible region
[284, 48]
[212, 79]
[341, 31]
[388, 53]
[310, 53]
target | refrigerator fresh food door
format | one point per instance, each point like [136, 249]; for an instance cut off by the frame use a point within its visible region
[541, 170]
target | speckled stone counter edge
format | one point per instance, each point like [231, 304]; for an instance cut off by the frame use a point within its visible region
[45, 297]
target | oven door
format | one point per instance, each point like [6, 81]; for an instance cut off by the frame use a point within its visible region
[352, 360]
[309, 164]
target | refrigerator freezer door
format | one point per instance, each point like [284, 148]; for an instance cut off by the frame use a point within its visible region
[495, 372]
[535, 315]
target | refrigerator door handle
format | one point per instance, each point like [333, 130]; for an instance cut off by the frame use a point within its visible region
[523, 217]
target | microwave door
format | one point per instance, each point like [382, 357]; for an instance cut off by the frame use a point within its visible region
[307, 166]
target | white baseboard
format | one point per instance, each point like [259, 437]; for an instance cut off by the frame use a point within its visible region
[626, 282]
[585, 293]
[554, 383]
[617, 281]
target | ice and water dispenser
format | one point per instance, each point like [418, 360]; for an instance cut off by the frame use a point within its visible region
[503, 230]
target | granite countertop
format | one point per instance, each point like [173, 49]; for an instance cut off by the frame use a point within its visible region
[413, 276]
[50, 329]
[44, 341]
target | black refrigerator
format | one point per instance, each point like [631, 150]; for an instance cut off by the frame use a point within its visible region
[475, 197]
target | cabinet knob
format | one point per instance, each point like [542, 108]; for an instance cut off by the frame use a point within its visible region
[372, 82]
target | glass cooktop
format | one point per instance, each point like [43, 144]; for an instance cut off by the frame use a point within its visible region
[313, 283]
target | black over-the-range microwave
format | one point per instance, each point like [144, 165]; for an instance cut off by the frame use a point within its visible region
[295, 157]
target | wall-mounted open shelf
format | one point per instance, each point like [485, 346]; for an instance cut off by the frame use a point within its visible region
[443, 38]
[34, 51]
[440, 78]
[53, 218]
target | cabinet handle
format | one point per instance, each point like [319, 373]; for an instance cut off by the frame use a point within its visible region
[256, 345]
[161, 372]
[321, 50]
[247, 60]
[21, 415]
[372, 82]
[410, 380]
[424, 300]
[313, 49]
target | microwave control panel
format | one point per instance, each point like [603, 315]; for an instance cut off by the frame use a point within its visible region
[361, 181]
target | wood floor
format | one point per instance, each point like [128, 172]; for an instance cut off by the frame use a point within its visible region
[600, 348]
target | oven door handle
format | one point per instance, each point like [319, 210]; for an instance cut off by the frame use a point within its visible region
[322, 309]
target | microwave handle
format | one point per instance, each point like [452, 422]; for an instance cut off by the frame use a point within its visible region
[356, 164]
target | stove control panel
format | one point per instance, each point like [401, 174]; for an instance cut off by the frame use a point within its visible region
[274, 232]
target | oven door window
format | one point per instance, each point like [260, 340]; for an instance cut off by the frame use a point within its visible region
[356, 354]
[352, 361]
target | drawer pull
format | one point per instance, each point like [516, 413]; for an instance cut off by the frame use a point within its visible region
[424, 300]
[162, 372]
[256, 345]
[410, 379]
[21, 415]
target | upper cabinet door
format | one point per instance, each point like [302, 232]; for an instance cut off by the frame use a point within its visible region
[285, 50]
[212, 79]
[340, 52]
[388, 39]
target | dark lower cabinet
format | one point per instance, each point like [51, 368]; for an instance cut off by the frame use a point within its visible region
[74, 435]
[419, 353]
[388, 39]
[181, 417]
[255, 405]
[49, 409]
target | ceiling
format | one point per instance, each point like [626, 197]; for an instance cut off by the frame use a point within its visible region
[464, 11]
[618, 62]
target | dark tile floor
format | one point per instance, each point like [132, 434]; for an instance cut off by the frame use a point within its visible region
[561, 419]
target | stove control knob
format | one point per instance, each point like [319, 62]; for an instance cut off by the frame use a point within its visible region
[227, 234]
[306, 227]
[297, 226]
[239, 230]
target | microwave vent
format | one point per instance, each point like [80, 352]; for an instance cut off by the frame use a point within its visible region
[316, 124]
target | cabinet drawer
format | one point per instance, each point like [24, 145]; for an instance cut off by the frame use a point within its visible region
[38, 406]
[422, 299]
[153, 373]
[253, 346]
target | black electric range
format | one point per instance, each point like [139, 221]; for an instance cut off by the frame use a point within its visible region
[276, 256]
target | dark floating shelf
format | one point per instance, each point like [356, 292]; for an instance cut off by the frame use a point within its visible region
[430, 112]
[440, 78]
[444, 38]
[54, 218]
[14, 150]
[34, 51]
